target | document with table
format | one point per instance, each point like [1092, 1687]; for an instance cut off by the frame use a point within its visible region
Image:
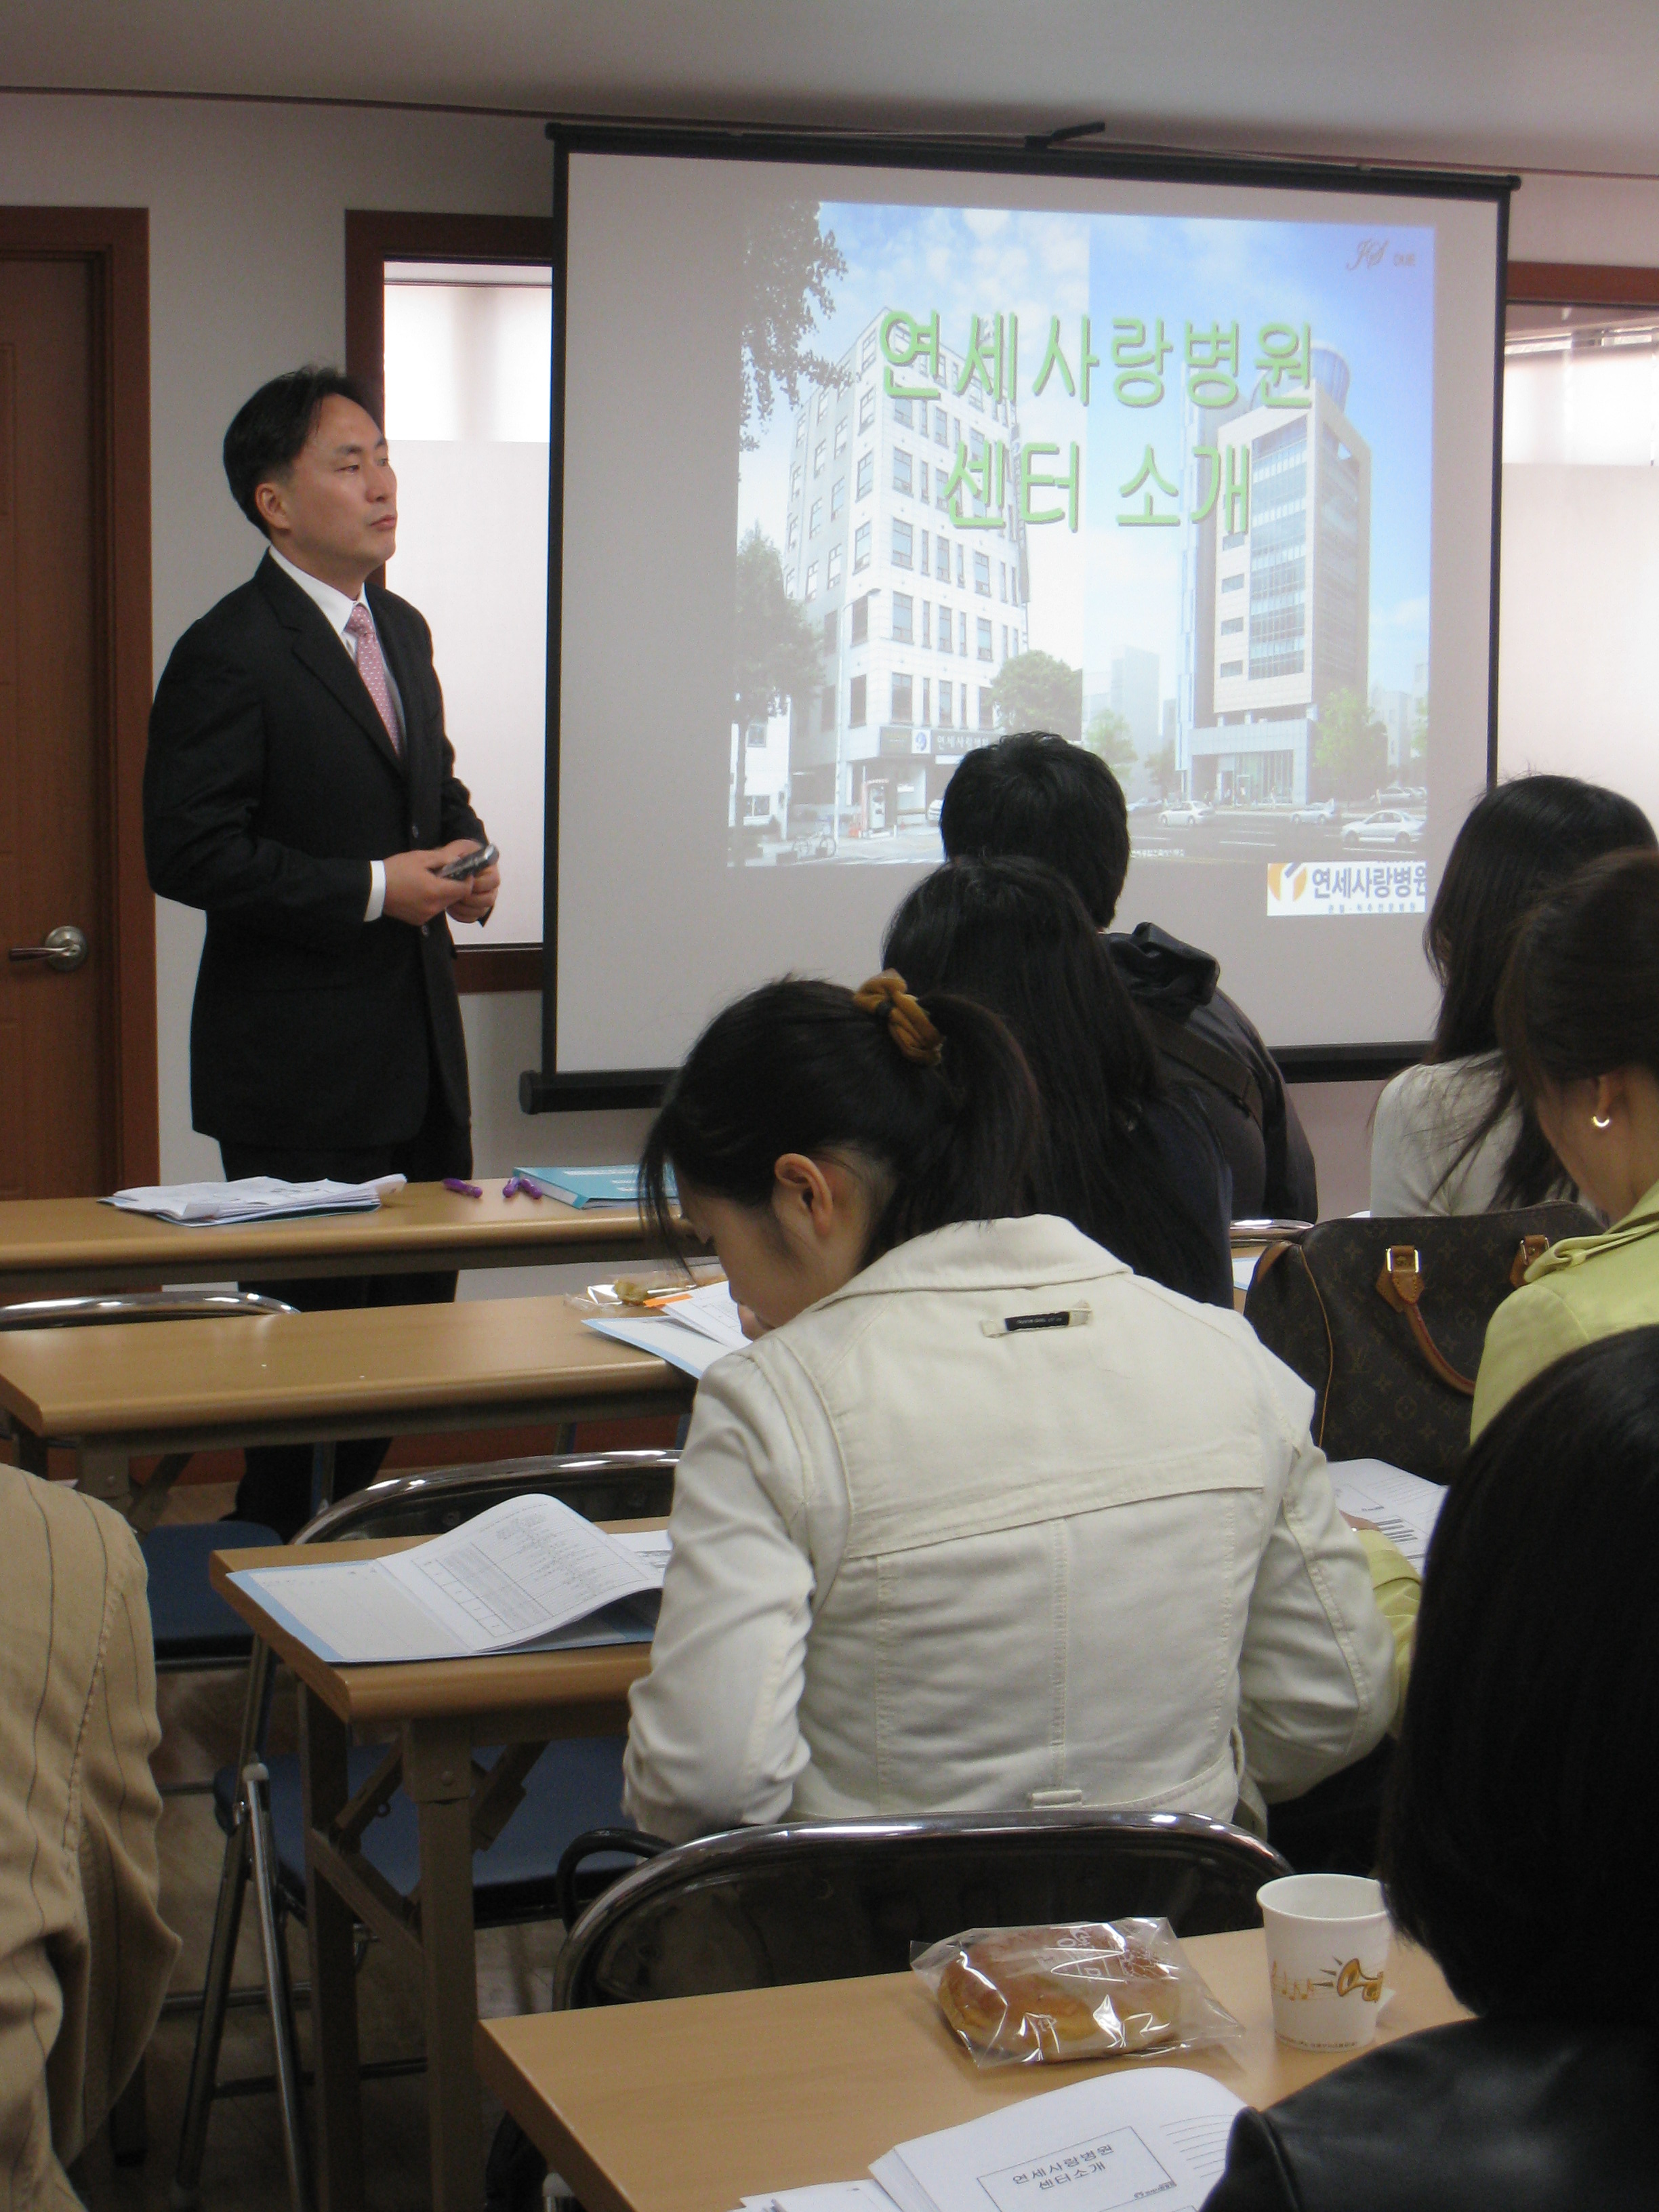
[1404, 1507]
[529, 1574]
[1119, 2139]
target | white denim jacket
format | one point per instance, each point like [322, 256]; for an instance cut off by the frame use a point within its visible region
[923, 1562]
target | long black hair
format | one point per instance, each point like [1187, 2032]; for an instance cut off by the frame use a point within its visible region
[1517, 1845]
[1580, 996]
[1517, 842]
[801, 1066]
[1014, 935]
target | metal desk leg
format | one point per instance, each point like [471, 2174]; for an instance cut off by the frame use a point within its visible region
[438, 1776]
[338, 2110]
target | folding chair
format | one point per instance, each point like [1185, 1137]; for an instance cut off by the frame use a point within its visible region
[574, 1786]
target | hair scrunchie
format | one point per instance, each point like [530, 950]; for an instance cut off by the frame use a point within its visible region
[907, 1020]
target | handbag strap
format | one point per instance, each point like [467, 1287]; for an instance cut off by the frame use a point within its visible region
[1270, 1259]
[1402, 1284]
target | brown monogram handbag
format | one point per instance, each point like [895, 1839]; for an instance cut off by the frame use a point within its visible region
[1386, 1320]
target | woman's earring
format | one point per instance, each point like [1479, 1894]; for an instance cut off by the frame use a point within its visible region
[1600, 1121]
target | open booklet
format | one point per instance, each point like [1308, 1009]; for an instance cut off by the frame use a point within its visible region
[1404, 1507]
[530, 1574]
[1119, 2139]
[253, 1198]
[691, 1332]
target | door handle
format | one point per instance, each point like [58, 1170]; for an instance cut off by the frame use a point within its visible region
[63, 949]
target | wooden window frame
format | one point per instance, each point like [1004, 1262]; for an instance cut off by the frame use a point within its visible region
[114, 243]
[373, 237]
[1580, 284]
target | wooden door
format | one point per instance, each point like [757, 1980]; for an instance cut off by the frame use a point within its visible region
[55, 1087]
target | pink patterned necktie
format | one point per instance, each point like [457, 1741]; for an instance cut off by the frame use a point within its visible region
[371, 668]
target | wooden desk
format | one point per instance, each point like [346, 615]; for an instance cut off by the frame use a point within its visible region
[136, 1388]
[436, 1713]
[60, 1247]
[692, 2105]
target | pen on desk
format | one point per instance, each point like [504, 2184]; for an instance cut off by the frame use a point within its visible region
[513, 1184]
[463, 1189]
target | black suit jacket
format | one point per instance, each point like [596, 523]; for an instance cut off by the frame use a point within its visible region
[270, 785]
[1488, 2115]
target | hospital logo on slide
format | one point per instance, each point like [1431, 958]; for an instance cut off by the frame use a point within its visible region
[1305, 887]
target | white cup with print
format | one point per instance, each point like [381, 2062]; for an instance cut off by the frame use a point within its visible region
[1327, 1951]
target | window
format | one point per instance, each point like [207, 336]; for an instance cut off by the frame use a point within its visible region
[831, 624]
[941, 427]
[925, 685]
[902, 412]
[800, 426]
[944, 703]
[921, 554]
[867, 406]
[1005, 641]
[987, 720]
[861, 546]
[1232, 583]
[961, 647]
[942, 559]
[823, 402]
[815, 521]
[944, 630]
[983, 574]
[841, 437]
[818, 457]
[1233, 627]
[832, 573]
[921, 481]
[795, 531]
[837, 496]
[811, 580]
[1002, 580]
[868, 351]
[756, 734]
[903, 619]
[855, 704]
[900, 470]
[795, 481]
[902, 544]
[984, 634]
[900, 699]
[756, 806]
[860, 619]
[866, 475]
[926, 622]
[1232, 668]
[961, 572]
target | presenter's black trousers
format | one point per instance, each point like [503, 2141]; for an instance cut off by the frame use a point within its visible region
[275, 1487]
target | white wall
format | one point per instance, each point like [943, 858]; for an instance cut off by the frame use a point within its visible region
[247, 276]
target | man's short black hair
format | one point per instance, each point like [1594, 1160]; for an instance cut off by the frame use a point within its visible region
[1035, 796]
[269, 430]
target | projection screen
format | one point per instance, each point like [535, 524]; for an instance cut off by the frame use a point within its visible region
[861, 459]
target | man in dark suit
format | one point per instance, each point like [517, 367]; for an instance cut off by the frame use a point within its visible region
[301, 788]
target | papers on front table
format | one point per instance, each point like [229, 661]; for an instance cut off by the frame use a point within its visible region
[1403, 1506]
[824, 2197]
[1121, 2139]
[691, 1333]
[254, 1197]
[529, 1574]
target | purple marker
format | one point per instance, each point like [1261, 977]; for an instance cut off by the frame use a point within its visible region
[463, 1189]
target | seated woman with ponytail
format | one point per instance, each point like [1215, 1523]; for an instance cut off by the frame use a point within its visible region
[1119, 1152]
[984, 1521]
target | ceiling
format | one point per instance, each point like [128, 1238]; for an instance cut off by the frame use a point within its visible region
[1507, 83]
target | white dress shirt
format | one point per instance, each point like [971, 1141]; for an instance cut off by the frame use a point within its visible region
[922, 1564]
[336, 609]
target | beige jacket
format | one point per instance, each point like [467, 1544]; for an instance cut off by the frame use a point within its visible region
[84, 1956]
[1580, 1289]
[925, 1564]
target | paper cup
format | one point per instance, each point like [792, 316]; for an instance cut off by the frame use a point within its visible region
[1327, 1951]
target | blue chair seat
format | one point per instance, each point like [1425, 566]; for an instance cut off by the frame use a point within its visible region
[190, 1623]
[574, 1785]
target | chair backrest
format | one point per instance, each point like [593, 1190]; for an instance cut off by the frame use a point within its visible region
[824, 1901]
[615, 1485]
[137, 1305]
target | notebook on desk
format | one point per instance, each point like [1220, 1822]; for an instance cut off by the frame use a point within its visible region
[529, 1574]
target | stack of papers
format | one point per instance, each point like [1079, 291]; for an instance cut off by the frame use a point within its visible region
[528, 1576]
[691, 1333]
[1404, 1507]
[587, 1186]
[255, 1197]
[1118, 2140]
